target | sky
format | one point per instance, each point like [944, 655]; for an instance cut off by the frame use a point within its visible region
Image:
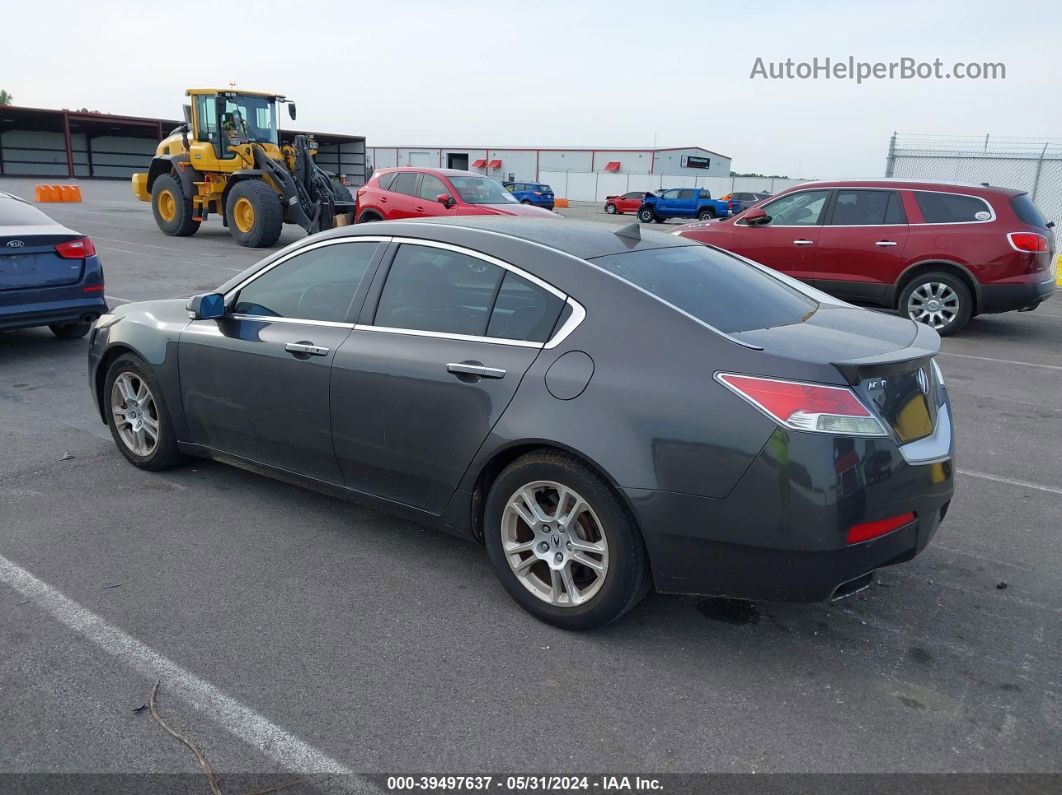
[548, 73]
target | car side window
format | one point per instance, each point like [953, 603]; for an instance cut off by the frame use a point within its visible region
[431, 186]
[687, 194]
[951, 208]
[387, 180]
[434, 289]
[637, 194]
[670, 194]
[867, 208]
[797, 209]
[318, 284]
[523, 311]
[406, 183]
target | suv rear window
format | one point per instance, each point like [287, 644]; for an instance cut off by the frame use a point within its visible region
[1027, 211]
[714, 287]
[952, 208]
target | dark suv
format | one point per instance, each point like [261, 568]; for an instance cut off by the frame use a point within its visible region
[941, 253]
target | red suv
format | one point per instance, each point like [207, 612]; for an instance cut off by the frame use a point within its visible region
[941, 253]
[395, 193]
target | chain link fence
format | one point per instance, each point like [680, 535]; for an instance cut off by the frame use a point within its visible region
[1034, 166]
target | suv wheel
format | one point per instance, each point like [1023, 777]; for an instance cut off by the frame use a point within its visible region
[563, 544]
[939, 300]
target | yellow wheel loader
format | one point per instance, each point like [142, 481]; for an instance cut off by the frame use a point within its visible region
[227, 160]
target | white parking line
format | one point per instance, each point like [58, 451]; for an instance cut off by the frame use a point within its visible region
[239, 720]
[1025, 484]
[1001, 361]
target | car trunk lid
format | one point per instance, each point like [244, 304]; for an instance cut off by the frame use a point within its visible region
[28, 257]
[887, 361]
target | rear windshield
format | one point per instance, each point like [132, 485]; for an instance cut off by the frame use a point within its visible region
[16, 213]
[714, 287]
[1027, 211]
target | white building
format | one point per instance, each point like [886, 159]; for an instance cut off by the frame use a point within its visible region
[539, 164]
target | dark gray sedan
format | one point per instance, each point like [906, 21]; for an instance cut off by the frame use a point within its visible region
[607, 410]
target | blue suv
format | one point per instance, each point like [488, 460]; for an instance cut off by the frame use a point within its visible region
[49, 275]
[531, 193]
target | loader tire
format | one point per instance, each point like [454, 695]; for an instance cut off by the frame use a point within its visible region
[254, 214]
[342, 192]
[171, 208]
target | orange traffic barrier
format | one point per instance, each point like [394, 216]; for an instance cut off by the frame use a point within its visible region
[560, 203]
[58, 193]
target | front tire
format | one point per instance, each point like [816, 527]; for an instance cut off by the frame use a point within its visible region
[171, 208]
[137, 415]
[647, 216]
[611, 209]
[939, 300]
[254, 214]
[564, 545]
[70, 331]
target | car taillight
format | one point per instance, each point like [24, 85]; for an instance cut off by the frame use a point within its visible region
[868, 530]
[76, 249]
[1027, 242]
[537, 193]
[806, 407]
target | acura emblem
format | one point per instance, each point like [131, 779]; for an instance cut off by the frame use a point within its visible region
[923, 381]
[15, 244]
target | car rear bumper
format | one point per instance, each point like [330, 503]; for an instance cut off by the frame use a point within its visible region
[1020, 295]
[51, 312]
[781, 533]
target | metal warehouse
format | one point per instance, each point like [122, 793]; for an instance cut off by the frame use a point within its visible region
[39, 142]
[536, 163]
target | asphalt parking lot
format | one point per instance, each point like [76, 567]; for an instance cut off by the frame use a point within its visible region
[378, 646]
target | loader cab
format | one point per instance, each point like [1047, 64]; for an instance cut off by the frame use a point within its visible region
[222, 120]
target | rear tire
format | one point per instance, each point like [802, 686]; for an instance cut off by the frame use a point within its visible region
[254, 214]
[132, 399]
[171, 208]
[939, 300]
[368, 217]
[647, 216]
[706, 214]
[618, 576]
[70, 331]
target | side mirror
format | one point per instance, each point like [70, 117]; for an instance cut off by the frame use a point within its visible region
[291, 110]
[187, 113]
[446, 200]
[756, 217]
[206, 306]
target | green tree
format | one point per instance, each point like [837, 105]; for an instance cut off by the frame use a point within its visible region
[5, 98]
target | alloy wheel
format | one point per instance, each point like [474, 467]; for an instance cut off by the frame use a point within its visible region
[136, 417]
[554, 543]
[933, 303]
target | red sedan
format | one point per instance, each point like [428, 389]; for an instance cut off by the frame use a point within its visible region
[395, 193]
[627, 203]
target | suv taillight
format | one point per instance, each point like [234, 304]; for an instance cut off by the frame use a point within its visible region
[806, 407]
[1027, 242]
[76, 249]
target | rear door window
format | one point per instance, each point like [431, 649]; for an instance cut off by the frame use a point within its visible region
[867, 208]
[712, 286]
[687, 195]
[952, 208]
[406, 182]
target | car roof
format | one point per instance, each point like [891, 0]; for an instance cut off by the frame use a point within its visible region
[910, 184]
[446, 172]
[583, 239]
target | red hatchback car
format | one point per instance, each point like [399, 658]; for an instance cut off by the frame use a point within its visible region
[395, 193]
[941, 253]
[624, 203]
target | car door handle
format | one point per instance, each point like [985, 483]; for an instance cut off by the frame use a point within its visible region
[803, 242]
[886, 243]
[306, 348]
[469, 368]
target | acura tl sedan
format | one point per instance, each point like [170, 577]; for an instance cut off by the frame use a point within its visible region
[606, 410]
